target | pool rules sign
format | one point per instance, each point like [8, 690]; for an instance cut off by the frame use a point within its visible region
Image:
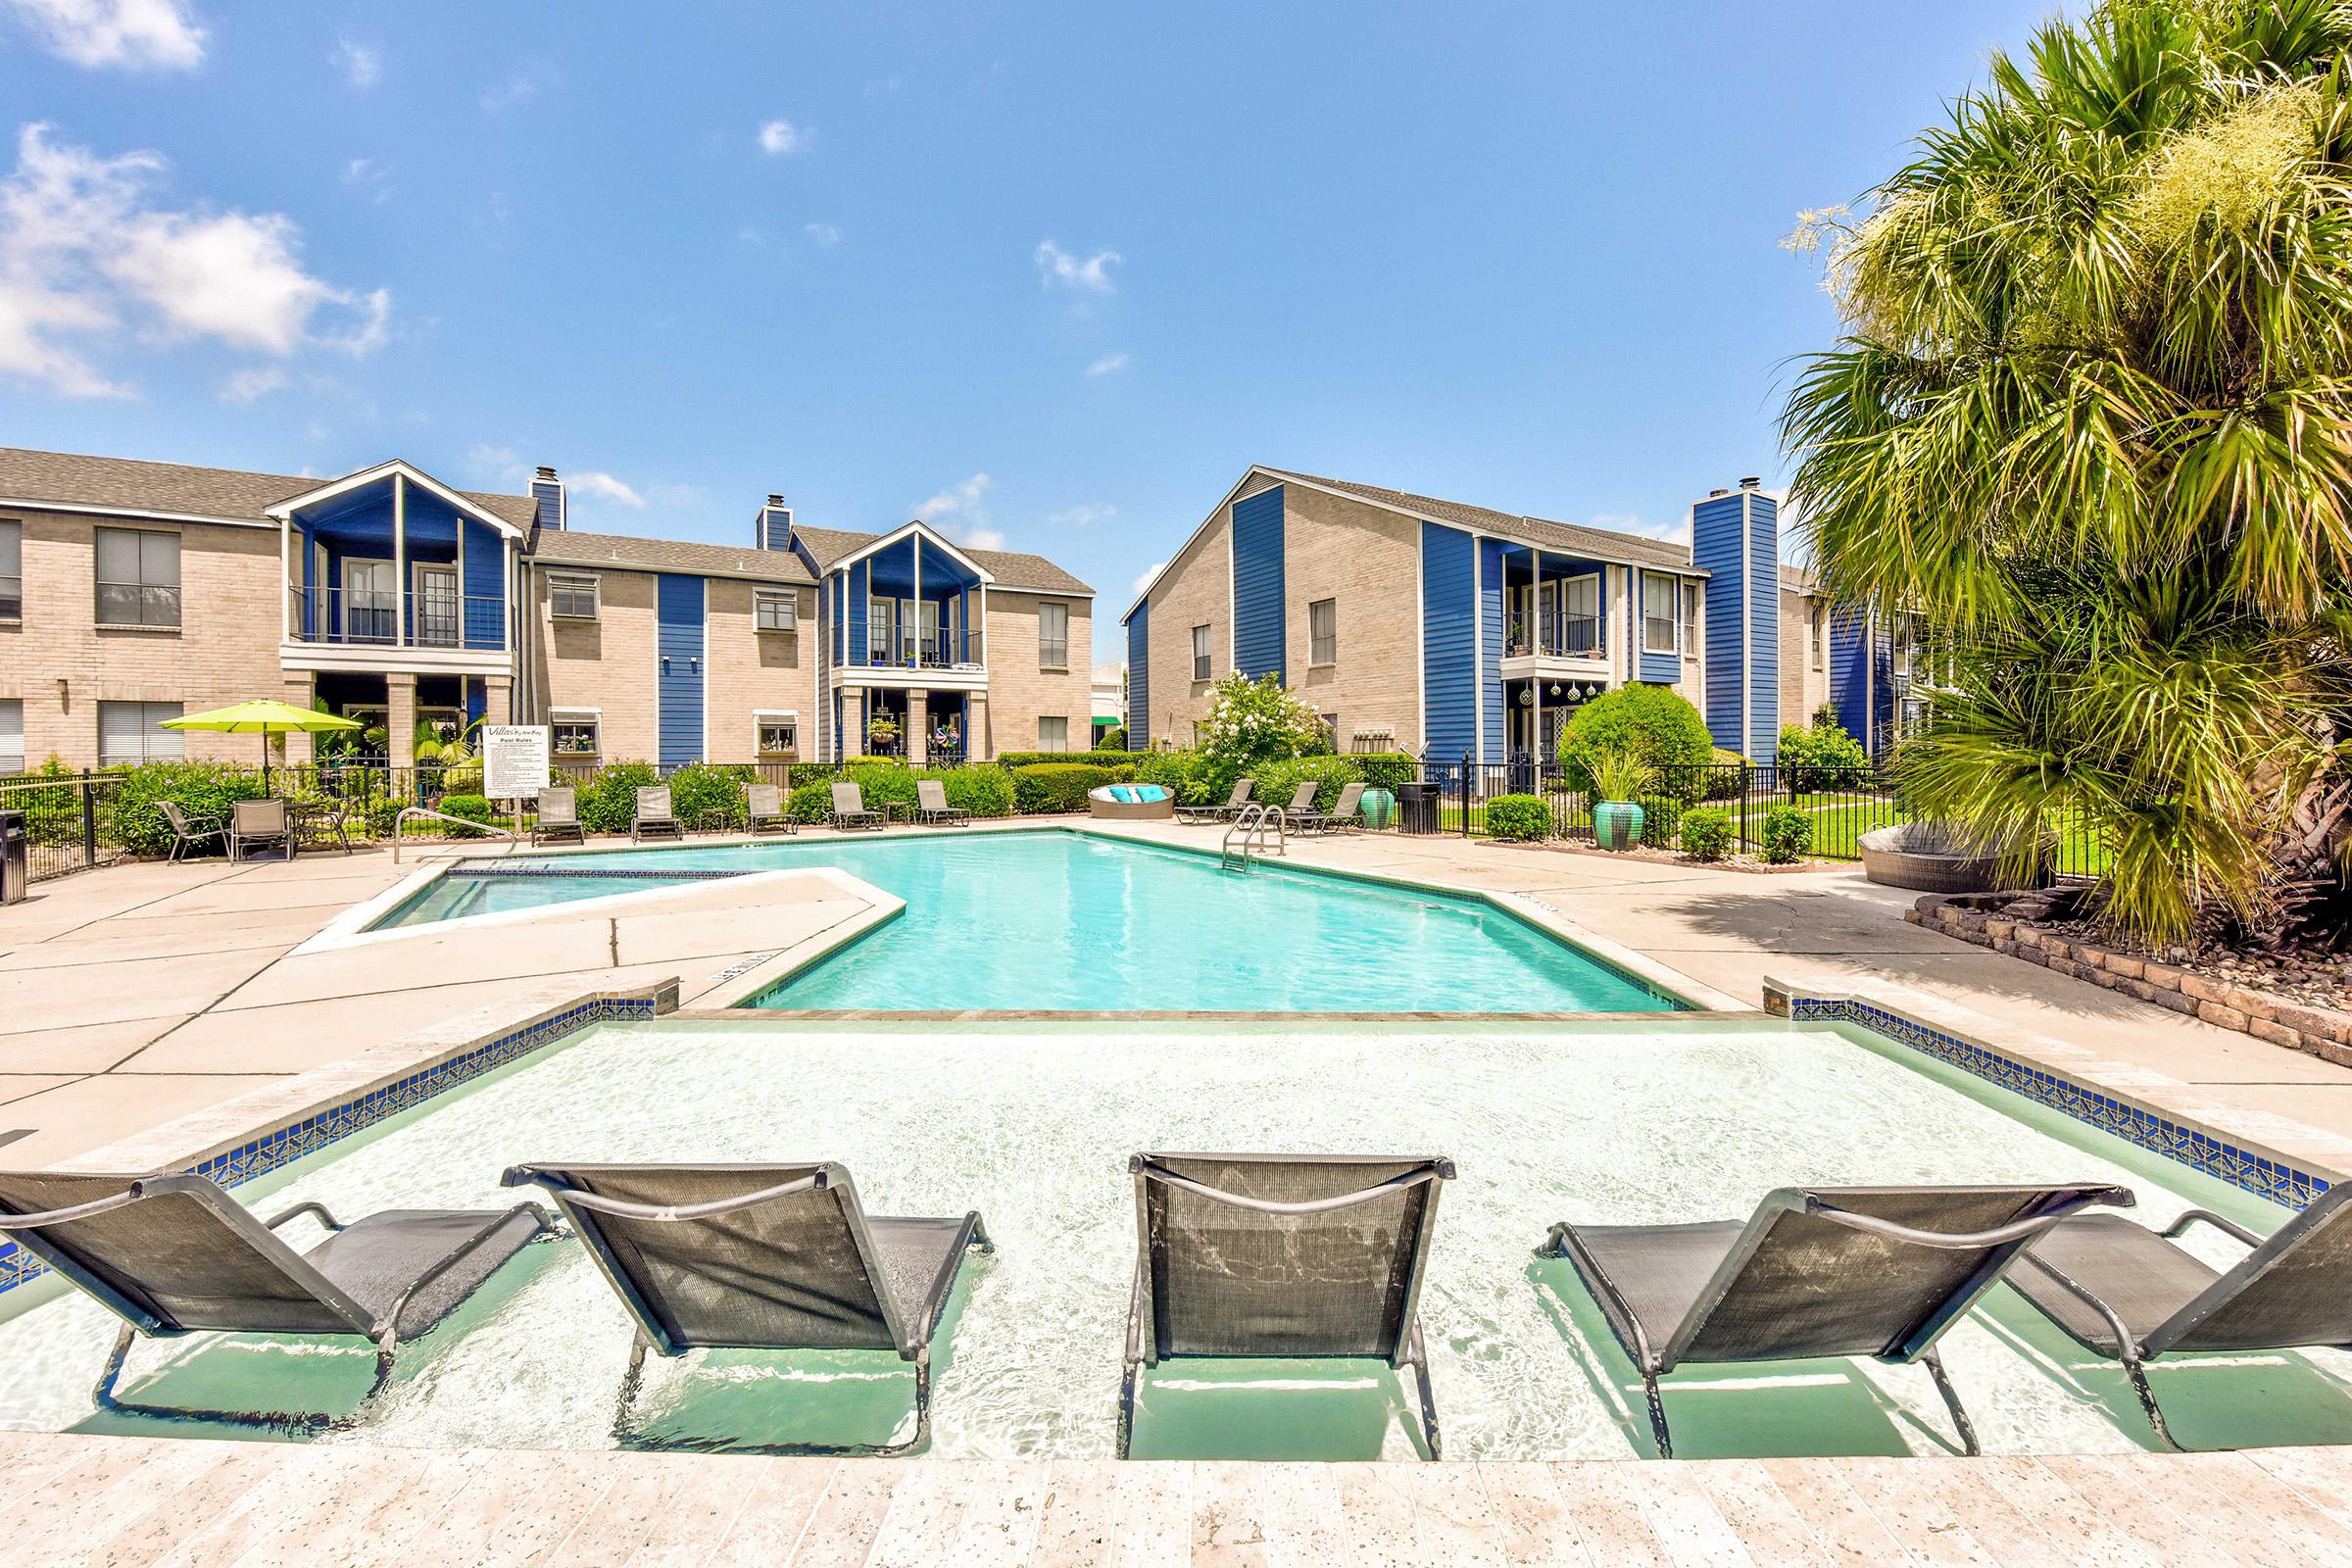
[514, 766]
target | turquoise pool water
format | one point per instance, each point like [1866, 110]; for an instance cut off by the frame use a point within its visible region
[1062, 920]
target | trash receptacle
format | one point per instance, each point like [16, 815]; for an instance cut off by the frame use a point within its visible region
[1416, 807]
[16, 870]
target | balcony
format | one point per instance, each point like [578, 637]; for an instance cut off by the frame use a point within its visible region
[370, 628]
[1562, 644]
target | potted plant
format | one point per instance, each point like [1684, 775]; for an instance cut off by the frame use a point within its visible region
[1619, 780]
[881, 731]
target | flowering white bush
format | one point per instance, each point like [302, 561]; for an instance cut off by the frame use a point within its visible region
[1250, 722]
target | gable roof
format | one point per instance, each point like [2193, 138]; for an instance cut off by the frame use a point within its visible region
[130, 485]
[568, 548]
[1012, 568]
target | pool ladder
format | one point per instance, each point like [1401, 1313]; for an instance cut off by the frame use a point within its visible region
[1250, 835]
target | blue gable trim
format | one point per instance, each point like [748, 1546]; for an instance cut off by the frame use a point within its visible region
[1257, 586]
[1138, 685]
[860, 601]
[1448, 661]
[678, 680]
[484, 612]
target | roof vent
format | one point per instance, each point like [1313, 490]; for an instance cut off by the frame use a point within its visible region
[1751, 482]
[1712, 494]
[545, 472]
[775, 500]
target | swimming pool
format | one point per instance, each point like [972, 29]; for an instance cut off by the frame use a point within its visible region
[1072, 921]
[1681, 1119]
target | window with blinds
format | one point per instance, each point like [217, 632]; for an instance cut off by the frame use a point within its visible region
[12, 571]
[131, 733]
[12, 736]
[138, 577]
[1052, 638]
[1323, 633]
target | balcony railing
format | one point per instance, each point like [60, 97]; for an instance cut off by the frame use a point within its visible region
[932, 652]
[1560, 635]
[369, 618]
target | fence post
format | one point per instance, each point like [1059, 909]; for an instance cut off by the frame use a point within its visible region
[1466, 766]
[90, 821]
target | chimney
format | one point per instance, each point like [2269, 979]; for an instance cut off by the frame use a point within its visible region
[773, 528]
[548, 491]
[1712, 494]
[1751, 482]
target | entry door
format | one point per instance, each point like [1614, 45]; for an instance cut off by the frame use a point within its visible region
[437, 606]
[370, 601]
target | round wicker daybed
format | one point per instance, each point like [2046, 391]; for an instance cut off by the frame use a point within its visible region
[1923, 856]
[1131, 802]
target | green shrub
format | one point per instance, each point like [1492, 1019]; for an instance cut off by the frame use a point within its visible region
[883, 784]
[1113, 739]
[1706, 833]
[1099, 757]
[981, 791]
[1387, 770]
[1652, 725]
[1661, 816]
[1823, 757]
[810, 802]
[472, 808]
[1727, 778]
[1277, 781]
[131, 816]
[1788, 835]
[1187, 774]
[712, 792]
[1056, 786]
[609, 802]
[1519, 818]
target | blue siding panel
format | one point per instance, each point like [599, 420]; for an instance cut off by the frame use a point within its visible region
[484, 613]
[1138, 687]
[1489, 649]
[1448, 657]
[1737, 539]
[678, 679]
[860, 601]
[1716, 525]
[1257, 586]
[1849, 673]
[1763, 652]
[477, 701]
[1658, 669]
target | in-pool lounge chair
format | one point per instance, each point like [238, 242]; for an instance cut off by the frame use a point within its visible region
[1242, 788]
[173, 1255]
[2125, 1291]
[1820, 1271]
[1298, 1255]
[1342, 814]
[190, 834]
[763, 807]
[655, 817]
[766, 1257]
[559, 819]
[848, 807]
[252, 824]
[931, 805]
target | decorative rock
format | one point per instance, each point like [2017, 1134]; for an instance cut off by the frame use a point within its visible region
[2224, 1017]
[2278, 1034]
[2120, 964]
[2163, 976]
[2204, 990]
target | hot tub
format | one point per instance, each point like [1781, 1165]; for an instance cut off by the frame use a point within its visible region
[1131, 802]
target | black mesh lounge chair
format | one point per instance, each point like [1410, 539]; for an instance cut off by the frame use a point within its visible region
[173, 1255]
[931, 805]
[190, 834]
[1342, 814]
[1231, 806]
[559, 818]
[1824, 1271]
[763, 810]
[1306, 1255]
[655, 817]
[2125, 1291]
[850, 808]
[768, 1257]
[252, 824]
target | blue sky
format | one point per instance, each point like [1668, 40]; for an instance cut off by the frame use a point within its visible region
[1054, 274]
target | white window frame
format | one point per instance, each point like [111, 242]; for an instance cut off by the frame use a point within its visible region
[1323, 648]
[179, 576]
[1045, 644]
[1815, 631]
[765, 600]
[150, 732]
[1202, 652]
[1690, 599]
[1042, 719]
[763, 719]
[344, 601]
[563, 718]
[12, 581]
[12, 762]
[1673, 617]
[559, 583]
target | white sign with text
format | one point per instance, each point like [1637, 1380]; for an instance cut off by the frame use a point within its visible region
[515, 761]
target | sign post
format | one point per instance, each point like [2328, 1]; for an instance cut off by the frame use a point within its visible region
[514, 764]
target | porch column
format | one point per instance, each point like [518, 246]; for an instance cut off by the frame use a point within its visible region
[400, 692]
[302, 689]
[852, 722]
[400, 586]
[978, 745]
[498, 700]
[918, 715]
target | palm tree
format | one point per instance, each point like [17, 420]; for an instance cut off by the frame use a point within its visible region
[2091, 411]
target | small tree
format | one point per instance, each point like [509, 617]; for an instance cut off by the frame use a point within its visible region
[1251, 722]
[1649, 725]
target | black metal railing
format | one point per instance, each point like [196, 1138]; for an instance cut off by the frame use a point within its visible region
[67, 825]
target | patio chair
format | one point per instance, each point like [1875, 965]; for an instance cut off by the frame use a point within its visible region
[1823, 1271]
[1302, 803]
[1232, 806]
[763, 810]
[254, 823]
[558, 816]
[190, 832]
[2127, 1293]
[931, 805]
[850, 808]
[1296, 1255]
[656, 819]
[1342, 814]
[768, 1257]
[174, 1254]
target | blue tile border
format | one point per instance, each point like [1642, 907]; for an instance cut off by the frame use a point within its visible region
[2247, 1169]
[283, 1146]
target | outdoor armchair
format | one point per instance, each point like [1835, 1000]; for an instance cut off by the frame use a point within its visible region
[191, 831]
[931, 805]
[254, 823]
[656, 819]
[1342, 814]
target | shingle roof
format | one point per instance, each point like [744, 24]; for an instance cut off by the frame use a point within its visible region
[1012, 568]
[1567, 537]
[132, 485]
[570, 548]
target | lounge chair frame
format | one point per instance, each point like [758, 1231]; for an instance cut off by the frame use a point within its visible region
[1346, 814]
[1410, 1349]
[557, 817]
[240, 836]
[1231, 805]
[1916, 1340]
[383, 1327]
[912, 1339]
[650, 823]
[189, 831]
[763, 810]
[942, 814]
[854, 814]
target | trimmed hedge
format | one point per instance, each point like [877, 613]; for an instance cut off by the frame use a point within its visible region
[1519, 818]
[712, 792]
[472, 808]
[607, 802]
[983, 791]
[1706, 833]
[1056, 786]
[1384, 769]
[133, 819]
[1100, 759]
[1277, 781]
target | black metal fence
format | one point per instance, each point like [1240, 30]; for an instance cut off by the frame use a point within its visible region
[65, 820]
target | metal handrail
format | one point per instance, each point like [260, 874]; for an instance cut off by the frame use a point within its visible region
[407, 812]
[1251, 823]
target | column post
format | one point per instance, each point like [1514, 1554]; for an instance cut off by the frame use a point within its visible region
[399, 574]
[918, 713]
[400, 724]
[302, 690]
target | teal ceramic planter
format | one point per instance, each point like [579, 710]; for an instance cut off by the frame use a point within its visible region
[1616, 825]
[1379, 808]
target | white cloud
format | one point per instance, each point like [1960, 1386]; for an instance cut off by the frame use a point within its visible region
[822, 233]
[1143, 578]
[516, 88]
[489, 464]
[780, 136]
[87, 250]
[595, 483]
[371, 175]
[1059, 267]
[1633, 522]
[960, 512]
[252, 383]
[362, 64]
[136, 34]
[1080, 516]
[1107, 364]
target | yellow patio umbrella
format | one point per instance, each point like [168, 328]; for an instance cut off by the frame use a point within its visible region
[263, 718]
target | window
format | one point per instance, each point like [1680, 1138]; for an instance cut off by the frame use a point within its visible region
[1814, 634]
[128, 732]
[1658, 599]
[574, 734]
[12, 736]
[1577, 634]
[779, 734]
[1052, 734]
[12, 571]
[1323, 633]
[1690, 620]
[138, 577]
[775, 610]
[1199, 653]
[570, 596]
[371, 608]
[880, 616]
[1053, 636]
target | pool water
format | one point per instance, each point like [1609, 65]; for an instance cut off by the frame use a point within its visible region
[1032, 1125]
[1057, 920]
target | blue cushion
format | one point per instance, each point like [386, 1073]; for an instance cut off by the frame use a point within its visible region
[1124, 794]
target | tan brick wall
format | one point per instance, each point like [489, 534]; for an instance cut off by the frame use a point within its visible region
[1019, 691]
[748, 671]
[225, 652]
[1196, 589]
[606, 663]
[1803, 688]
[1367, 560]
